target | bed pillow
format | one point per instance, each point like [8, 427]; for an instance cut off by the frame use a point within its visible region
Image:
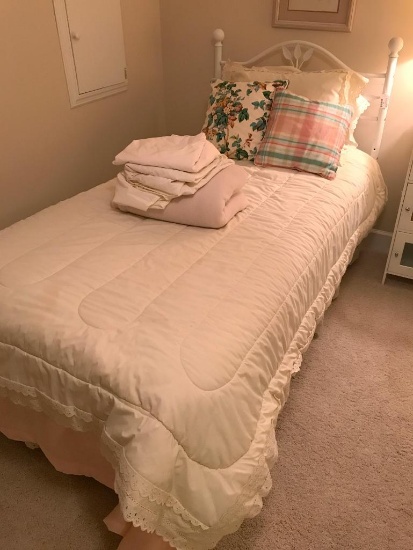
[362, 104]
[329, 86]
[237, 116]
[236, 72]
[338, 86]
[342, 86]
[356, 84]
[304, 135]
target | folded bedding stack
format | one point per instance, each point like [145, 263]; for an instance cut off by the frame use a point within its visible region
[181, 179]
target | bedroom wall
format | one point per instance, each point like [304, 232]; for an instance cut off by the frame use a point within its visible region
[188, 61]
[48, 150]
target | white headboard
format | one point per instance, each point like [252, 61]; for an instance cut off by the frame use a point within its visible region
[299, 52]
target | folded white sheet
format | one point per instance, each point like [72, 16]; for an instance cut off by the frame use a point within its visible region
[212, 206]
[156, 191]
[181, 175]
[186, 153]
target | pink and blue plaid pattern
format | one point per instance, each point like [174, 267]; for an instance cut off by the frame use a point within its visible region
[304, 135]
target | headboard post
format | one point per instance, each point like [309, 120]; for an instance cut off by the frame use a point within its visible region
[218, 36]
[395, 45]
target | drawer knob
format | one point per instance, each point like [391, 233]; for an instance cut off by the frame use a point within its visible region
[407, 208]
[396, 254]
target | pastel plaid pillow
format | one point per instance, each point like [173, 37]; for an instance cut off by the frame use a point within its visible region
[304, 135]
[237, 115]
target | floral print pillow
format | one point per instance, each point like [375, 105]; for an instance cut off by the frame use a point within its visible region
[237, 116]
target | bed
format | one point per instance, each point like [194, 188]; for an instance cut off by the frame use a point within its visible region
[155, 356]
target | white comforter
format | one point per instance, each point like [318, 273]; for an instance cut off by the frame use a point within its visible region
[177, 343]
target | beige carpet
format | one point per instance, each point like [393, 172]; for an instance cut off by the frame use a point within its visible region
[344, 479]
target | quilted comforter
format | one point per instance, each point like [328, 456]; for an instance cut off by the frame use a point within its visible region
[176, 344]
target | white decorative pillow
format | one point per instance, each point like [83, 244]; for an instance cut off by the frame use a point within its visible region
[329, 86]
[340, 86]
[236, 72]
[354, 87]
[362, 104]
[276, 68]
[237, 115]
[337, 86]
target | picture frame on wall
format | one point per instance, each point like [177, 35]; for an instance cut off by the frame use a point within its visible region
[321, 15]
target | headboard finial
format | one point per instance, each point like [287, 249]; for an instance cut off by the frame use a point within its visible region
[218, 35]
[395, 45]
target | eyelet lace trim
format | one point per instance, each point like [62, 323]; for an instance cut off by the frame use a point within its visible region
[129, 482]
[66, 415]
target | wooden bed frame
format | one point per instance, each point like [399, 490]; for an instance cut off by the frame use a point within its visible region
[299, 52]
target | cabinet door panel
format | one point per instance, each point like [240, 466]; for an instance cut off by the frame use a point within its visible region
[406, 214]
[96, 34]
[401, 261]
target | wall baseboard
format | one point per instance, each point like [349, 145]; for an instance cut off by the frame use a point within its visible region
[378, 240]
[388, 234]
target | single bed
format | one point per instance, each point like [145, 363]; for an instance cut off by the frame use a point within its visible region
[160, 355]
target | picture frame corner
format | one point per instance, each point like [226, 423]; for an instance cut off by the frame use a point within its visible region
[340, 20]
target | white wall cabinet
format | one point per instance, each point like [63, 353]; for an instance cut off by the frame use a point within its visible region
[91, 38]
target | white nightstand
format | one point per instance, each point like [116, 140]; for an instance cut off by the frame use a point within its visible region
[400, 258]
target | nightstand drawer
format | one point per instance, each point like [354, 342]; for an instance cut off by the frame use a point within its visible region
[406, 213]
[401, 261]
